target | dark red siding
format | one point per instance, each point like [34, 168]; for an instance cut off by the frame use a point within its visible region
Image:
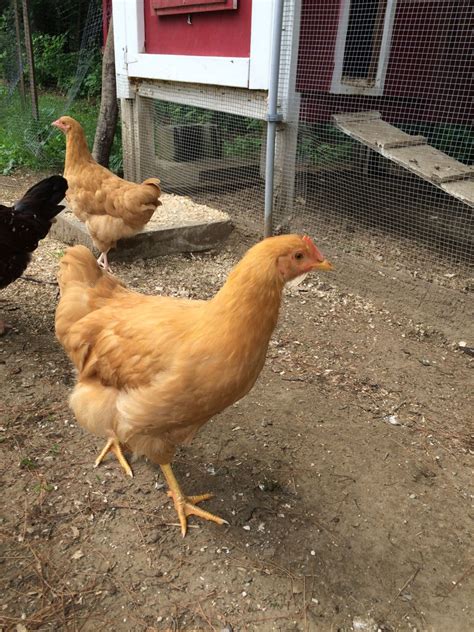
[430, 48]
[214, 34]
[429, 68]
[319, 24]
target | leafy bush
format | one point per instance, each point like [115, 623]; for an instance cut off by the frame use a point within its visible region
[8, 61]
[55, 68]
[323, 144]
[26, 143]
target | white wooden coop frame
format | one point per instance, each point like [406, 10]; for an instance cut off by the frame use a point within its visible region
[231, 85]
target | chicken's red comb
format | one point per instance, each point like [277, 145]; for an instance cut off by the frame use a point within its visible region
[313, 249]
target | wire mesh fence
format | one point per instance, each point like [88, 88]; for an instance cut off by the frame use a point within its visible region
[66, 40]
[203, 152]
[403, 69]
[355, 78]
[365, 67]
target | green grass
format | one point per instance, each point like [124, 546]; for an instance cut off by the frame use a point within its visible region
[25, 142]
[29, 464]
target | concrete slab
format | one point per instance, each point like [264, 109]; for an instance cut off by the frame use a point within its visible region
[179, 225]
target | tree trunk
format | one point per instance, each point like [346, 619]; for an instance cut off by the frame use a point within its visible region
[108, 114]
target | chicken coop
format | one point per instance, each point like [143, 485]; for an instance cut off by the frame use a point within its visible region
[332, 116]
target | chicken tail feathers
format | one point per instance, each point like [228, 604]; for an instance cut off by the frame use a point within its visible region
[84, 287]
[154, 182]
[43, 198]
[78, 266]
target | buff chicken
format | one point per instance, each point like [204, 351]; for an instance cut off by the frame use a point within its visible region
[151, 370]
[110, 207]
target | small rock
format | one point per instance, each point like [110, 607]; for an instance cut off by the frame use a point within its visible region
[361, 624]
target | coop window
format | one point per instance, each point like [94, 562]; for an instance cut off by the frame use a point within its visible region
[174, 7]
[363, 45]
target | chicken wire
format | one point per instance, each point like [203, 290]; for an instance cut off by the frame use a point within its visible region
[81, 49]
[408, 60]
[203, 153]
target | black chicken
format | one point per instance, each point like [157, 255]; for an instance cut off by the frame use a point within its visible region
[25, 223]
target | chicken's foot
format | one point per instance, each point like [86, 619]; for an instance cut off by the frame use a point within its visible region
[186, 505]
[113, 445]
[103, 262]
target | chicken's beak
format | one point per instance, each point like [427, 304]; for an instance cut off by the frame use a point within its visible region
[56, 124]
[322, 265]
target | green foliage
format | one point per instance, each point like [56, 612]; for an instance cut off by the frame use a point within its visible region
[36, 145]
[54, 67]
[92, 84]
[29, 464]
[323, 144]
[7, 51]
[241, 136]
[242, 146]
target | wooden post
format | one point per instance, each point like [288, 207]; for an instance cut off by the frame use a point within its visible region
[127, 115]
[145, 138]
[107, 122]
[18, 50]
[31, 63]
[287, 131]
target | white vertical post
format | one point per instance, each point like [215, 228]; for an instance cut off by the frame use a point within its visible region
[287, 133]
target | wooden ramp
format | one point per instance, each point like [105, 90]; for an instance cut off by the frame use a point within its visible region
[411, 152]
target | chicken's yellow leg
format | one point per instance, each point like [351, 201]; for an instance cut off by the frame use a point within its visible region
[113, 445]
[186, 505]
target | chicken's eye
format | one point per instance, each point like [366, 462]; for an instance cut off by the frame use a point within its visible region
[299, 256]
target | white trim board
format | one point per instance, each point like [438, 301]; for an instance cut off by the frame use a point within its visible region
[241, 72]
[230, 100]
[337, 85]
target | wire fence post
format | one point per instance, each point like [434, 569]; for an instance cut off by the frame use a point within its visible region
[21, 78]
[31, 62]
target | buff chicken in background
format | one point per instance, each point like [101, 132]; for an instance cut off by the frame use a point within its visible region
[110, 207]
[151, 370]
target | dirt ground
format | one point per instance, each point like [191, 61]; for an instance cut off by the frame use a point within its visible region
[345, 475]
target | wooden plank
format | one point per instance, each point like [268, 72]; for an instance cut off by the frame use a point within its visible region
[356, 116]
[410, 152]
[376, 133]
[127, 115]
[461, 189]
[409, 142]
[252, 104]
[430, 163]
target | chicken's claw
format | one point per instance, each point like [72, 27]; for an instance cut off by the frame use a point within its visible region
[113, 445]
[187, 505]
[103, 262]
